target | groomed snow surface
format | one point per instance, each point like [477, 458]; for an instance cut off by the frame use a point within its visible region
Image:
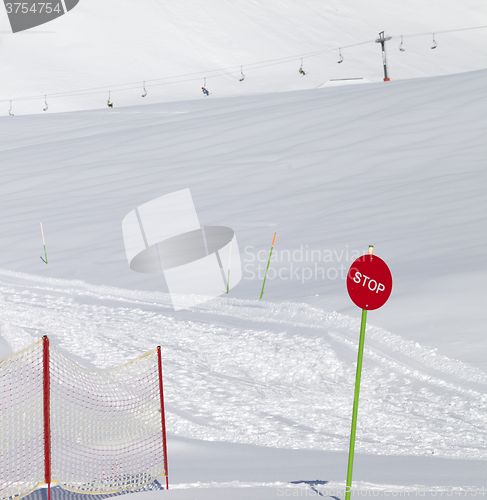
[259, 392]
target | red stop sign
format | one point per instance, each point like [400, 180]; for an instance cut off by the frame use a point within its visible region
[369, 282]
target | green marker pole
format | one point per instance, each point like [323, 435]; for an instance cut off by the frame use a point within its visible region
[355, 403]
[268, 262]
[44, 243]
[229, 264]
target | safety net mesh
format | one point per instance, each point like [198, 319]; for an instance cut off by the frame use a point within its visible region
[105, 425]
[21, 422]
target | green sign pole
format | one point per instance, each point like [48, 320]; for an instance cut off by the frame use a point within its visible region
[355, 403]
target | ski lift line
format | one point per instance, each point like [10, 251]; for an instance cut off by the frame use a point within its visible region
[270, 62]
[103, 90]
[98, 92]
[124, 86]
[287, 59]
[429, 33]
[253, 66]
[260, 64]
[120, 87]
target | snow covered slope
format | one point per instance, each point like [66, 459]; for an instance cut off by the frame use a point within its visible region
[251, 385]
[331, 170]
[107, 45]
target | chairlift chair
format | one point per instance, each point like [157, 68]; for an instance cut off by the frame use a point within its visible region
[10, 110]
[301, 70]
[204, 89]
[145, 91]
[340, 54]
[242, 76]
[434, 42]
[47, 106]
[401, 48]
[109, 102]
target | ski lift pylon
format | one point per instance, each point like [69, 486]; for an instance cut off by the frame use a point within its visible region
[434, 42]
[340, 54]
[145, 91]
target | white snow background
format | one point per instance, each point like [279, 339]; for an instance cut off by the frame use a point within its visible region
[259, 393]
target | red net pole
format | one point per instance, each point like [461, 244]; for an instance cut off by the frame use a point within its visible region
[163, 417]
[47, 417]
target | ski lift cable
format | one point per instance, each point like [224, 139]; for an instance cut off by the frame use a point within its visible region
[177, 78]
[439, 32]
[127, 86]
[309, 54]
[219, 72]
[100, 91]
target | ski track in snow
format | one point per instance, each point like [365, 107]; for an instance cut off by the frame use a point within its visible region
[278, 375]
